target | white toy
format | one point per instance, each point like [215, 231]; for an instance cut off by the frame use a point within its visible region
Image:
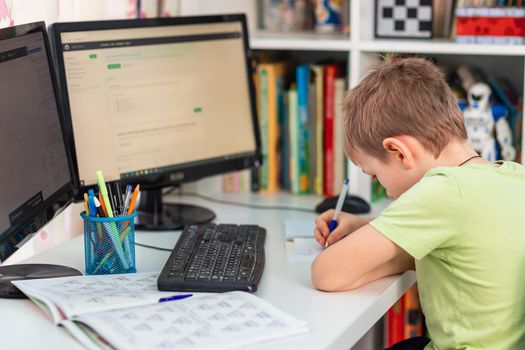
[487, 128]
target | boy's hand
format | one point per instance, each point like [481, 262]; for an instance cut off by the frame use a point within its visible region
[346, 224]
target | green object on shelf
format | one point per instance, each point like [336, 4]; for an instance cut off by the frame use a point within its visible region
[93, 55]
[197, 109]
[114, 66]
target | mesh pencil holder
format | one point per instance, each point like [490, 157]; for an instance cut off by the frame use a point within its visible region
[109, 244]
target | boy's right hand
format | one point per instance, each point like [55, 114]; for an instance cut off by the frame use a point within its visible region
[346, 224]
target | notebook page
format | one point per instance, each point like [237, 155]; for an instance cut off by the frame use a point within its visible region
[302, 250]
[298, 229]
[80, 294]
[212, 321]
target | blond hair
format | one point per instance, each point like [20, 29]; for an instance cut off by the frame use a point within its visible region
[406, 97]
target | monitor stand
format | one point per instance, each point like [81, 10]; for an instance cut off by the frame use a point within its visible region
[155, 215]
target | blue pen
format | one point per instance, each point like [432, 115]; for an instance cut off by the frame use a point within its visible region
[175, 297]
[333, 224]
[91, 203]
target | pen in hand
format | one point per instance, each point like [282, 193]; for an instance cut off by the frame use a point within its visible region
[333, 224]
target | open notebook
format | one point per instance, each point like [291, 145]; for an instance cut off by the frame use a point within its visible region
[123, 312]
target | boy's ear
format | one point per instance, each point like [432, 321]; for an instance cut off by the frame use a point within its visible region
[400, 150]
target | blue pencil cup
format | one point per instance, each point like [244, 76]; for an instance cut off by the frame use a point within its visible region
[109, 244]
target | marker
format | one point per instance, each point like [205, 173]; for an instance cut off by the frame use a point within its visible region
[104, 193]
[338, 207]
[134, 199]
[175, 297]
[91, 203]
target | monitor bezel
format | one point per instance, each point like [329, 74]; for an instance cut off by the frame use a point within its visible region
[185, 172]
[64, 195]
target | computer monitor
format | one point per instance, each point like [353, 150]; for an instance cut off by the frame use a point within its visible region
[35, 176]
[158, 102]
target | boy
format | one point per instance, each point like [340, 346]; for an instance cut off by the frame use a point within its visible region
[458, 220]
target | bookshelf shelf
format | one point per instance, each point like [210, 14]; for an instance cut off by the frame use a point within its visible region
[445, 47]
[300, 41]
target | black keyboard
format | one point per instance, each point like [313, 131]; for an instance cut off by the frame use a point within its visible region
[215, 258]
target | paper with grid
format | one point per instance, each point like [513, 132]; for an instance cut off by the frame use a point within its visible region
[212, 321]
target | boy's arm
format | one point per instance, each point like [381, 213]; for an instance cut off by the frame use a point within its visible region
[359, 258]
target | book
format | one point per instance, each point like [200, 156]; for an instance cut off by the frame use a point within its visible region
[293, 128]
[339, 153]
[270, 79]
[318, 76]
[330, 74]
[395, 323]
[413, 318]
[124, 312]
[303, 135]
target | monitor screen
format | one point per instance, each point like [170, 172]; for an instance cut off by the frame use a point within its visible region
[34, 171]
[158, 102]
[152, 97]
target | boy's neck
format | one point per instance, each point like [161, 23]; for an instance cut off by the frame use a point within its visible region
[456, 153]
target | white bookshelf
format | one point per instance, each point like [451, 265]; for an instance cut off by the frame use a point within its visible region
[362, 50]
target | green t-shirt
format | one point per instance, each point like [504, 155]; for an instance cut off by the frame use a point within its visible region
[465, 227]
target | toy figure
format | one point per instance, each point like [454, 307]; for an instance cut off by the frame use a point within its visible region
[487, 128]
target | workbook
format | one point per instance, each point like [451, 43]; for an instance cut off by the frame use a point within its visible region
[124, 312]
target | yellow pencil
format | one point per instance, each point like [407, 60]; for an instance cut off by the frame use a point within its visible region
[86, 203]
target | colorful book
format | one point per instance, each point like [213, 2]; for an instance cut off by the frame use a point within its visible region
[339, 154]
[395, 323]
[317, 76]
[413, 318]
[293, 122]
[330, 73]
[303, 137]
[270, 76]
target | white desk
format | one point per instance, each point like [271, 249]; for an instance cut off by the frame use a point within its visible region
[336, 320]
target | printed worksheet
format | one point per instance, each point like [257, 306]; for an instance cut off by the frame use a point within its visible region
[68, 296]
[212, 321]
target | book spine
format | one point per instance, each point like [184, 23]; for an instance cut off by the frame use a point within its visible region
[284, 139]
[275, 82]
[264, 83]
[293, 128]
[339, 154]
[329, 109]
[319, 128]
[413, 318]
[394, 323]
[303, 81]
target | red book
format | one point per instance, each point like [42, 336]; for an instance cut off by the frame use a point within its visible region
[395, 323]
[330, 73]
